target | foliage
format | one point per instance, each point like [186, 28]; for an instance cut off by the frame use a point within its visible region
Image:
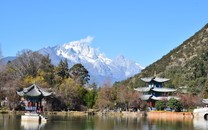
[47, 70]
[186, 65]
[79, 74]
[118, 97]
[105, 98]
[174, 104]
[31, 67]
[70, 93]
[160, 105]
[27, 63]
[128, 96]
[90, 98]
[190, 101]
[62, 69]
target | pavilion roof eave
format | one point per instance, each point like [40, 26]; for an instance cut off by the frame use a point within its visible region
[142, 89]
[145, 97]
[161, 80]
[45, 94]
[158, 98]
[20, 93]
[164, 97]
[33, 91]
[157, 79]
[148, 79]
[164, 89]
[205, 101]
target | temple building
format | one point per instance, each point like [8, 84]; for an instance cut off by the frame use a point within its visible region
[155, 90]
[33, 97]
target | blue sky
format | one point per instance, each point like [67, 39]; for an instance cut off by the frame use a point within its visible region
[141, 30]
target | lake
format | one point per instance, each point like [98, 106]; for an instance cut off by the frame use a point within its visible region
[13, 122]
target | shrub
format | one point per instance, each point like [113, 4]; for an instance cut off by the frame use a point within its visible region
[160, 105]
[174, 104]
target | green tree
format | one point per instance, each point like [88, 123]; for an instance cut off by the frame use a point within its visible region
[160, 105]
[90, 98]
[47, 70]
[62, 69]
[79, 74]
[71, 94]
[174, 104]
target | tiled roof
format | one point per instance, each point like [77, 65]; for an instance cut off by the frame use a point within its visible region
[33, 91]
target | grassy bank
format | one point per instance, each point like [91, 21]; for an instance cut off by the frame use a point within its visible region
[169, 115]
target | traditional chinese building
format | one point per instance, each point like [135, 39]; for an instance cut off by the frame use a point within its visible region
[34, 98]
[155, 90]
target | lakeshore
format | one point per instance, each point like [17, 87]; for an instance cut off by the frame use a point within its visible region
[151, 114]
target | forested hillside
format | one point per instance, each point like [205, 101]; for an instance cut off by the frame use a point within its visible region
[186, 66]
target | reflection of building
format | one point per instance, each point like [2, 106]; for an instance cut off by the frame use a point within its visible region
[155, 90]
[200, 124]
[32, 125]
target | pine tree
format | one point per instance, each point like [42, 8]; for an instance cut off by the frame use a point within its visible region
[79, 74]
[47, 70]
[62, 69]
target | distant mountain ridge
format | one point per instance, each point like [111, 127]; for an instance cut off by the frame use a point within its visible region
[101, 68]
[5, 60]
[186, 65]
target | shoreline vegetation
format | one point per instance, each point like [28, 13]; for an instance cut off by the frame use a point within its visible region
[152, 115]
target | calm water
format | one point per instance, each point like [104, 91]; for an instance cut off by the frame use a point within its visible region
[100, 123]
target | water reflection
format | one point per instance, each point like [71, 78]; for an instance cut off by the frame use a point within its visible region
[13, 122]
[169, 123]
[117, 123]
[32, 125]
[200, 124]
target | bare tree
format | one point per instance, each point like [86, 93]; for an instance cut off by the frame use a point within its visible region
[27, 63]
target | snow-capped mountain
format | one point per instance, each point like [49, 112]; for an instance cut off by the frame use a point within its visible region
[101, 68]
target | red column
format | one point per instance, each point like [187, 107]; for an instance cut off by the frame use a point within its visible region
[151, 104]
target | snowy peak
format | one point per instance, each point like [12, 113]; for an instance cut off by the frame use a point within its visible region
[80, 50]
[99, 66]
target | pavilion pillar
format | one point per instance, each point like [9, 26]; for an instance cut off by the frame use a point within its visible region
[150, 104]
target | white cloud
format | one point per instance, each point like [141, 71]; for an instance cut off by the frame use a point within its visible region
[86, 40]
[81, 42]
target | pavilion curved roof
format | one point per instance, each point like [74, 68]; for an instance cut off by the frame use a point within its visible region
[33, 91]
[205, 101]
[145, 97]
[157, 79]
[143, 89]
[164, 97]
[163, 89]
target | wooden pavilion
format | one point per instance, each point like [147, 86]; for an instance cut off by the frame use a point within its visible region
[34, 97]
